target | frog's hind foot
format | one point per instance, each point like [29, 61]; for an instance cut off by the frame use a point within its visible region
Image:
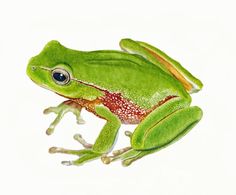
[127, 156]
[115, 155]
[85, 154]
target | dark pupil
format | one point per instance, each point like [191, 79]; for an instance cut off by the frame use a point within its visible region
[59, 76]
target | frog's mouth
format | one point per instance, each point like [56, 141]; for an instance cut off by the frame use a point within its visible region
[41, 84]
[36, 77]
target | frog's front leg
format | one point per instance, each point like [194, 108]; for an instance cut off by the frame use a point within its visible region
[61, 110]
[165, 125]
[103, 143]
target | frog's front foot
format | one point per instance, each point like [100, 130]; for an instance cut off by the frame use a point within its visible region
[85, 154]
[103, 143]
[61, 110]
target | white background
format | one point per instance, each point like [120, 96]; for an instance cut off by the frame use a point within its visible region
[200, 34]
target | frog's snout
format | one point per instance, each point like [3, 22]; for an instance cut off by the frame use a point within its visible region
[30, 70]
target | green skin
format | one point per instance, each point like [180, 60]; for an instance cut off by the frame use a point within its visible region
[138, 76]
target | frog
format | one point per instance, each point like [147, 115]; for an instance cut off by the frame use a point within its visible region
[139, 85]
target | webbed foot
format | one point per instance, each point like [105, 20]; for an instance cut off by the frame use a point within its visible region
[127, 155]
[103, 143]
[85, 154]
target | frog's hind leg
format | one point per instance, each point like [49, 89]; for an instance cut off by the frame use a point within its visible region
[163, 61]
[163, 126]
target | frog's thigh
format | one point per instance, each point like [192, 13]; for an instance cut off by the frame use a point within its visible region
[152, 134]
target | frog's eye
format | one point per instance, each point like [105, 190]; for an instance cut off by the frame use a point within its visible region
[60, 76]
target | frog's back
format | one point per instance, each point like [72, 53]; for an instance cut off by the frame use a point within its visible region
[131, 75]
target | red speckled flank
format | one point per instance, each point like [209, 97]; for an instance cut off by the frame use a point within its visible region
[127, 111]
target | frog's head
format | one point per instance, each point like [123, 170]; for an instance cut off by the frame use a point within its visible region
[52, 69]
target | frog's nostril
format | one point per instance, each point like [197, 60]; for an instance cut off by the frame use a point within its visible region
[33, 68]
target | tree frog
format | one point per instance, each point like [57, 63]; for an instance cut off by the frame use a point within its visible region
[140, 85]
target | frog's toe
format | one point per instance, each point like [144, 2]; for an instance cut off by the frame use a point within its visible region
[86, 158]
[56, 121]
[52, 109]
[128, 134]
[82, 159]
[106, 159]
[80, 120]
[121, 151]
[128, 161]
[53, 150]
[50, 130]
[79, 138]
[67, 163]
